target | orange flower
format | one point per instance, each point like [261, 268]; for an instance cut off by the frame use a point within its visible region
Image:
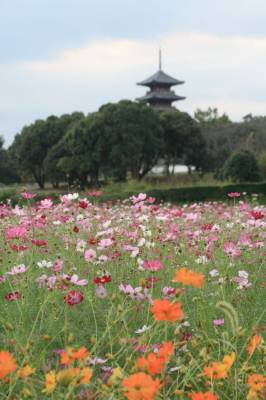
[25, 372]
[203, 396]
[50, 382]
[69, 356]
[156, 363]
[257, 382]
[141, 386]
[219, 370]
[166, 351]
[255, 341]
[7, 364]
[189, 278]
[74, 376]
[153, 364]
[164, 310]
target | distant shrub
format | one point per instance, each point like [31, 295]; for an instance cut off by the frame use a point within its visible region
[242, 166]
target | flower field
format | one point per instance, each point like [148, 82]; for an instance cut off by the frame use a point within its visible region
[133, 300]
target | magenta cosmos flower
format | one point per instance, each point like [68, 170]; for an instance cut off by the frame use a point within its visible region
[153, 265]
[74, 297]
[13, 296]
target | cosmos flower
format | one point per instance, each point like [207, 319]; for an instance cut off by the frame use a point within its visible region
[7, 364]
[164, 310]
[74, 297]
[141, 386]
[189, 278]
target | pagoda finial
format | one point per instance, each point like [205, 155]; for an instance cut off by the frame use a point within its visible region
[160, 59]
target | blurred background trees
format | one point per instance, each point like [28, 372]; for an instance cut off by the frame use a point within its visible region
[127, 139]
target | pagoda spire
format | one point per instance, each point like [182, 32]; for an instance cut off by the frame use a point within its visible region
[160, 59]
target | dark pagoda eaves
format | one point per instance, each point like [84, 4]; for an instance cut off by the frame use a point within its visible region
[161, 96]
[160, 77]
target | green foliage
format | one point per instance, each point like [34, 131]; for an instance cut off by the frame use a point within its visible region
[8, 170]
[183, 141]
[262, 164]
[241, 166]
[32, 146]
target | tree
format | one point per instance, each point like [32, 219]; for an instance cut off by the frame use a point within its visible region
[241, 166]
[32, 145]
[84, 150]
[134, 136]
[8, 170]
[262, 164]
[182, 139]
[210, 118]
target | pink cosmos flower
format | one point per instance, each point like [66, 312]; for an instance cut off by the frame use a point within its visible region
[139, 198]
[46, 203]
[19, 269]
[28, 196]
[105, 243]
[101, 292]
[58, 265]
[16, 232]
[218, 322]
[90, 255]
[76, 281]
[231, 249]
[95, 193]
[153, 265]
[233, 195]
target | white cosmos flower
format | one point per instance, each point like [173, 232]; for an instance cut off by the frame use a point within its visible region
[143, 329]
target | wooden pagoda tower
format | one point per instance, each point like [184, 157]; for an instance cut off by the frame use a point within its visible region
[160, 96]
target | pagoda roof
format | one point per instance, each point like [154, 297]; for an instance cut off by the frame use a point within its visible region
[161, 96]
[160, 77]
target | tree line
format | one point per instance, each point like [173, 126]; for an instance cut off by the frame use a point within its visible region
[125, 139]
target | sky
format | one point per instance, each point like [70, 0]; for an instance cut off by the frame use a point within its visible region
[61, 56]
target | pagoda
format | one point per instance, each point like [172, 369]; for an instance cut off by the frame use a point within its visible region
[160, 96]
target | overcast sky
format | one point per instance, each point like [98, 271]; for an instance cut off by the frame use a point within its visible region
[60, 56]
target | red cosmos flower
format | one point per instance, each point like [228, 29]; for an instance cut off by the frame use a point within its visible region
[17, 248]
[13, 296]
[74, 297]
[39, 242]
[257, 214]
[76, 229]
[102, 280]
[207, 227]
[83, 204]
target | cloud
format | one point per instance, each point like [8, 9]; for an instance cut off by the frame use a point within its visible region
[226, 72]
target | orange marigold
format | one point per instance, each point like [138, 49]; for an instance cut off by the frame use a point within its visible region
[141, 386]
[203, 396]
[219, 370]
[189, 278]
[164, 310]
[255, 341]
[7, 364]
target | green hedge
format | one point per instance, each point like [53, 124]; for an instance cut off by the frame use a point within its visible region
[197, 193]
[175, 195]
